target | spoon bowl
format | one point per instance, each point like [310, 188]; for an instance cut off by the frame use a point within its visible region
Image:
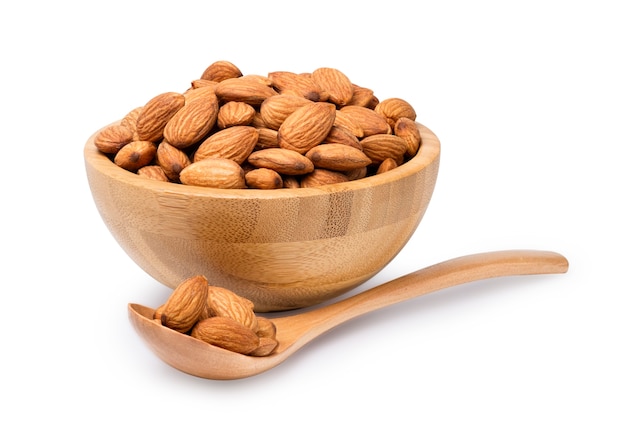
[203, 360]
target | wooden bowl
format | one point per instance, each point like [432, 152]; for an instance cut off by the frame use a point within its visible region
[282, 249]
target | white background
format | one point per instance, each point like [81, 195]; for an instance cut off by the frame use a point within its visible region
[529, 102]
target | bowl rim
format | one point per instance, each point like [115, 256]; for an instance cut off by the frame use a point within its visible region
[428, 153]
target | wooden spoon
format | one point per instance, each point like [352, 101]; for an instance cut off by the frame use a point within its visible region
[201, 359]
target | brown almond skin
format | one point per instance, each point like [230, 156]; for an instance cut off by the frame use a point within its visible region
[370, 121]
[306, 127]
[235, 143]
[387, 165]
[338, 134]
[185, 305]
[192, 122]
[222, 302]
[266, 347]
[235, 113]
[155, 115]
[408, 130]
[274, 110]
[226, 333]
[172, 160]
[220, 71]
[248, 91]
[381, 146]
[335, 83]
[265, 328]
[361, 96]
[395, 108]
[319, 177]
[335, 156]
[112, 138]
[264, 179]
[153, 172]
[283, 161]
[297, 84]
[135, 155]
[214, 173]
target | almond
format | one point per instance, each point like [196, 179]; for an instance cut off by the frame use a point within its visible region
[381, 146]
[220, 71]
[266, 347]
[153, 172]
[235, 143]
[335, 156]
[235, 113]
[226, 333]
[395, 108]
[306, 127]
[112, 138]
[335, 83]
[283, 161]
[268, 138]
[297, 84]
[155, 115]
[265, 328]
[361, 96]
[135, 155]
[346, 122]
[387, 165]
[368, 120]
[130, 121]
[185, 305]
[408, 130]
[172, 160]
[338, 134]
[274, 110]
[319, 177]
[243, 90]
[192, 122]
[264, 179]
[214, 173]
[222, 302]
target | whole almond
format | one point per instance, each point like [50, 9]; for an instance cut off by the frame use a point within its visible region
[387, 165]
[283, 161]
[306, 127]
[274, 110]
[112, 138]
[264, 179]
[335, 156]
[319, 177]
[297, 84]
[266, 347]
[222, 302]
[172, 160]
[214, 173]
[192, 122]
[338, 134]
[135, 155]
[235, 143]
[220, 71]
[335, 83]
[265, 328]
[361, 96]
[153, 172]
[156, 113]
[348, 123]
[185, 305]
[395, 108]
[226, 333]
[268, 138]
[130, 121]
[199, 83]
[243, 90]
[370, 121]
[381, 146]
[235, 113]
[291, 181]
[207, 91]
[408, 130]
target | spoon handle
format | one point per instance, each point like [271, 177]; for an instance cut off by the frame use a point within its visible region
[449, 273]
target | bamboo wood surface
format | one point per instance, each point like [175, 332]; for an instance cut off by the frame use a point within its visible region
[200, 359]
[282, 249]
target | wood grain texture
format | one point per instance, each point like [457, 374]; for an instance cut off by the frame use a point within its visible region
[282, 249]
[294, 331]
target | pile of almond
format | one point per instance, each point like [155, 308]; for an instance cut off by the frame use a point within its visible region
[282, 130]
[217, 316]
